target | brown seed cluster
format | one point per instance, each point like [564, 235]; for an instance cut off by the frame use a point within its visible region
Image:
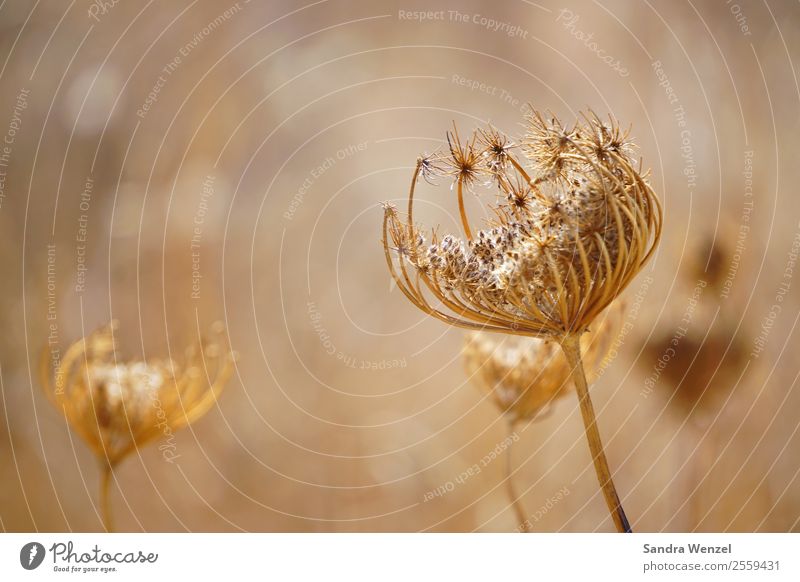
[570, 230]
[526, 376]
[117, 406]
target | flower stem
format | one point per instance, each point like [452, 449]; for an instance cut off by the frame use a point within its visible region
[516, 502]
[572, 350]
[106, 472]
[462, 209]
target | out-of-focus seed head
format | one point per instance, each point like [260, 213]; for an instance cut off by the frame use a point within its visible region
[117, 406]
[526, 376]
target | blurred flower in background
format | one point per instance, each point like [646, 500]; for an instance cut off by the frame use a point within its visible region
[119, 406]
[526, 376]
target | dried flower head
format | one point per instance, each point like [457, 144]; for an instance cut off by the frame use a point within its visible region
[430, 166]
[571, 232]
[496, 149]
[117, 406]
[526, 376]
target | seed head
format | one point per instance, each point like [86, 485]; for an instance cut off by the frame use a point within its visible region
[465, 161]
[526, 376]
[118, 406]
[430, 167]
[496, 149]
[573, 229]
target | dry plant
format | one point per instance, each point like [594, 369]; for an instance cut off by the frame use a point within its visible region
[526, 376]
[117, 407]
[705, 364]
[569, 234]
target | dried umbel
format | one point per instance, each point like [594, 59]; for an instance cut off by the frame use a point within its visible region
[571, 230]
[526, 376]
[119, 406]
[568, 236]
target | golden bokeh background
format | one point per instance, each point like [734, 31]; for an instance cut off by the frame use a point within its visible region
[172, 164]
